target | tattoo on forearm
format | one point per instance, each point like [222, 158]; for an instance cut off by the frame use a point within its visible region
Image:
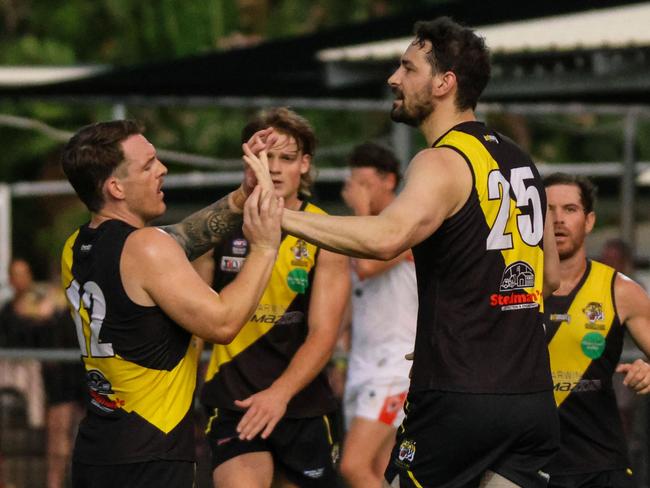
[204, 229]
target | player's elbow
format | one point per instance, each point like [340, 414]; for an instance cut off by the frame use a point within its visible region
[226, 332]
[388, 248]
[219, 328]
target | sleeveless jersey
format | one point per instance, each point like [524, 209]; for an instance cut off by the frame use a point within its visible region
[262, 350]
[384, 318]
[585, 343]
[140, 365]
[480, 277]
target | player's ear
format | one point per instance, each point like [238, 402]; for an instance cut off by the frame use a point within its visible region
[590, 221]
[443, 83]
[305, 163]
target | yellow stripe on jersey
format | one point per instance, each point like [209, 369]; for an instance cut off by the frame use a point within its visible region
[581, 340]
[483, 164]
[283, 287]
[136, 388]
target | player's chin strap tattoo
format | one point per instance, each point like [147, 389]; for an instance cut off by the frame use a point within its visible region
[203, 230]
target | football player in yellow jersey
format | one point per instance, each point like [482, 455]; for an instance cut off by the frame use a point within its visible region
[473, 210]
[268, 398]
[136, 301]
[585, 321]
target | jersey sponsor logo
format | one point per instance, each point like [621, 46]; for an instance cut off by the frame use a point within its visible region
[231, 264]
[289, 318]
[578, 386]
[517, 276]
[490, 138]
[300, 254]
[516, 301]
[592, 345]
[594, 312]
[239, 247]
[292, 318]
[298, 280]
[86, 247]
[99, 388]
[314, 473]
[515, 279]
[265, 318]
[560, 317]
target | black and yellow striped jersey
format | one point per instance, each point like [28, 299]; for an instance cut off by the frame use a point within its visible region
[585, 343]
[140, 365]
[262, 350]
[480, 277]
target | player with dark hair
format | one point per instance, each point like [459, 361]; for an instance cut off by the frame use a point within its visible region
[480, 404]
[136, 302]
[585, 322]
[384, 316]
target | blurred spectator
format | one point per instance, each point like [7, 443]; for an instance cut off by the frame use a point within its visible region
[37, 317]
[21, 322]
[65, 390]
[384, 316]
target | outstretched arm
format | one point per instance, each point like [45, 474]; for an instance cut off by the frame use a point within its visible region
[438, 184]
[331, 289]
[156, 272]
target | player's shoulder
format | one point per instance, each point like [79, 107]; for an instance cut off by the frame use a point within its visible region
[151, 243]
[435, 157]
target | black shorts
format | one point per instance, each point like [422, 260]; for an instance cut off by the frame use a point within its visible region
[305, 449]
[618, 478]
[448, 440]
[177, 474]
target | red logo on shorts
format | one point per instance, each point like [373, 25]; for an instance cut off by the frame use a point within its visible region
[392, 405]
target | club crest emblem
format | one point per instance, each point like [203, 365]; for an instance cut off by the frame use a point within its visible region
[300, 254]
[406, 451]
[594, 312]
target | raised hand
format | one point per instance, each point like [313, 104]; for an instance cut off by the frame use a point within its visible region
[255, 173]
[257, 168]
[262, 219]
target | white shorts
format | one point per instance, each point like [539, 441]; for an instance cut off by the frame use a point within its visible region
[381, 400]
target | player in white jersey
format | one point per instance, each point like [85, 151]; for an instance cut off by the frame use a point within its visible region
[384, 316]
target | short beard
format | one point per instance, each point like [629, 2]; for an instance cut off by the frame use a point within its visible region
[414, 117]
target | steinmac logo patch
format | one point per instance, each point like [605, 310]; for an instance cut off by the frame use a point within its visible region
[512, 295]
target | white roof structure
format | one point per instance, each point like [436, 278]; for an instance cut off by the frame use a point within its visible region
[21, 76]
[625, 26]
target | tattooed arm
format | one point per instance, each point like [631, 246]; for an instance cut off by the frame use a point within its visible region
[206, 228]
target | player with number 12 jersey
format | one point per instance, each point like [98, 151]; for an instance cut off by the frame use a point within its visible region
[140, 365]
